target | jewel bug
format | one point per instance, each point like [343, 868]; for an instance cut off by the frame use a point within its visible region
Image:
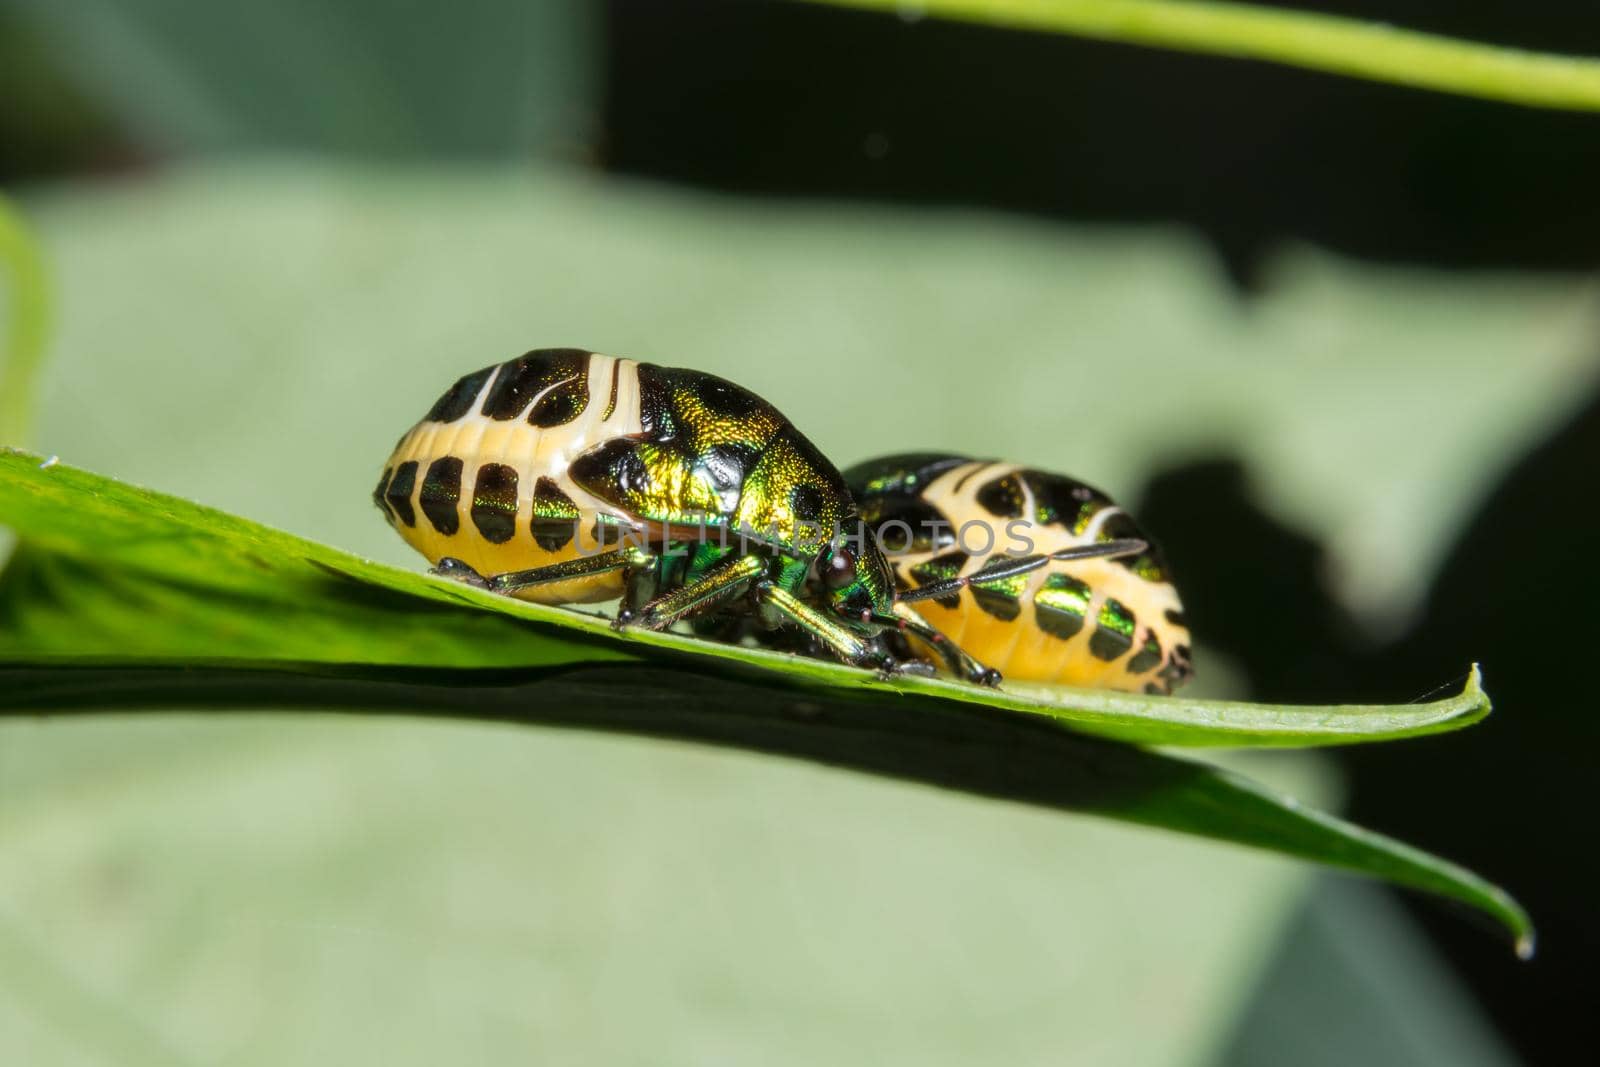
[1113, 621]
[566, 476]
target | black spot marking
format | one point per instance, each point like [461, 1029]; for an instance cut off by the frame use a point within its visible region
[555, 516]
[1152, 689]
[494, 503]
[1176, 669]
[377, 494]
[457, 400]
[788, 462]
[806, 502]
[723, 398]
[1177, 618]
[906, 474]
[1147, 657]
[997, 600]
[399, 492]
[930, 530]
[698, 410]
[903, 529]
[560, 405]
[441, 492]
[1113, 632]
[1061, 604]
[938, 569]
[1064, 501]
[614, 471]
[558, 377]
[1002, 497]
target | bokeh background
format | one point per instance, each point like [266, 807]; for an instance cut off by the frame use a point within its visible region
[1338, 342]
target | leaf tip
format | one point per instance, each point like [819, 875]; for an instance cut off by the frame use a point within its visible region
[1473, 703]
[1527, 942]
[1525, 939]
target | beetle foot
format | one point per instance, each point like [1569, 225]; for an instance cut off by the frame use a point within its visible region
[986, 676]
[460, 571]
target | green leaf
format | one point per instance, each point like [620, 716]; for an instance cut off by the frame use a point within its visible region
[111, 569]
[1371, 50]
[25, 299]
[122, 597]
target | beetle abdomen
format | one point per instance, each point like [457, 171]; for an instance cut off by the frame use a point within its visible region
[483, 477]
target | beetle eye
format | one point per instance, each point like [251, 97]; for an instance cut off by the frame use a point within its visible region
[840, 570]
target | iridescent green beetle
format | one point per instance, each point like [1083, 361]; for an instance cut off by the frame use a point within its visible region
[565, 476]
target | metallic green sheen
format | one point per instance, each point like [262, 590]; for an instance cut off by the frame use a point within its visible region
[1114, 634]
[1061, 605]
[713, 455]
[1002, 596]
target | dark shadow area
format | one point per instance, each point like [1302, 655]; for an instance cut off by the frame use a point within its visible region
[1511, 798]
[1515, 796]
[49, 123]
[790, 99]
[913, 737]
[1253, 587]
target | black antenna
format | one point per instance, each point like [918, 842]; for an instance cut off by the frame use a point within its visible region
[1012, 566]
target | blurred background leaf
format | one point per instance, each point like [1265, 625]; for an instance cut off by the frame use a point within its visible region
[290, 890]
[398, 79]
[24, 298]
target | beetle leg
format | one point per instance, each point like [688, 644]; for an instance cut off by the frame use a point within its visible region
[846, 643]
[511, 581]
[721, 583]
[643, 584]
[953, 654]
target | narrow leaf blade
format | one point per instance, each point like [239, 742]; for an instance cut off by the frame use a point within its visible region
[113, 569]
